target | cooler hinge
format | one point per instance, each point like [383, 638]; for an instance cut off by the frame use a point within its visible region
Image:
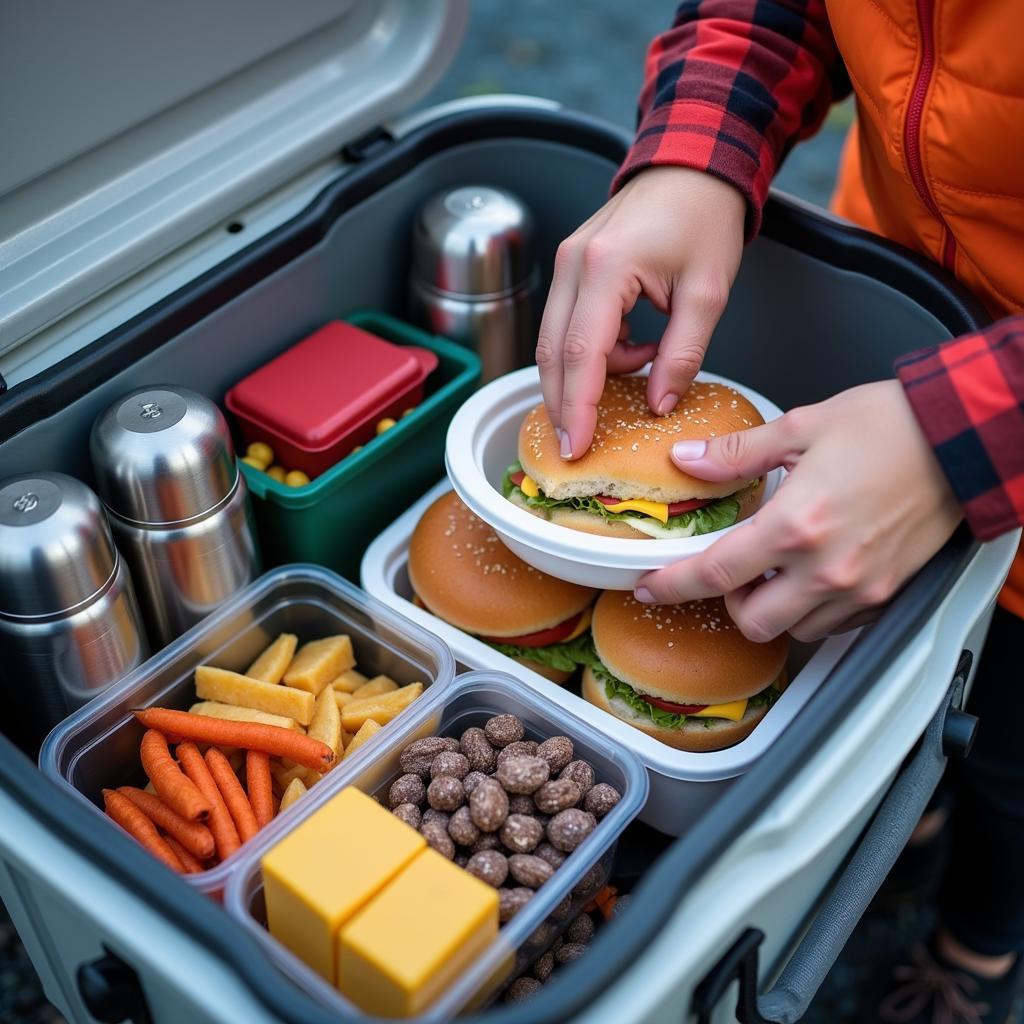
[368, 145]
[738, 964]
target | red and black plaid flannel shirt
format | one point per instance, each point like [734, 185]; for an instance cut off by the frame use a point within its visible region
[729, 89]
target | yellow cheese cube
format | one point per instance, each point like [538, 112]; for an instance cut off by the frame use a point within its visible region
[217, 684]
[382, 708]
[271, 665]
[294, 792]
[366, 730]
[328, 868]
[376, 686]
[416, 937]
[231, 713]
[349, 682]
[319, 662]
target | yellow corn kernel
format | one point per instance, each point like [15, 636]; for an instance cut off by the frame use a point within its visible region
[296, 478]
[261, 452]
[385, 424]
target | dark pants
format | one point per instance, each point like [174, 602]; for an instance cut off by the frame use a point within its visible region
[982, 895]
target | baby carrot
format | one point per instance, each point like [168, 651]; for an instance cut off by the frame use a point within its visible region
[194, 837]
[140, 828]
[167, 778]
[270, 739]
[191, 863]
[260, 786]
[225, 835]
[234, 796]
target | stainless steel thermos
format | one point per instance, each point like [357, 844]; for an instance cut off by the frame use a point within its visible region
[69, 622]
[179, 508]
[474, 277]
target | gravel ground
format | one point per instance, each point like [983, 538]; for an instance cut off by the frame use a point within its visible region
[590, 60]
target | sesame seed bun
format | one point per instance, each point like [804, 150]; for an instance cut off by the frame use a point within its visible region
[685, 653]
[587, 522]
[630, 454]
[464, 574]
[697, 734]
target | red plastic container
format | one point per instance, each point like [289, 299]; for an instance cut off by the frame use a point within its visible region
[314, 403]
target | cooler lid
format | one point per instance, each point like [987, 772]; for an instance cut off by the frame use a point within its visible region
[132, 126]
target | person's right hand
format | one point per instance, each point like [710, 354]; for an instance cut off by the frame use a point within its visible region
[672, 234]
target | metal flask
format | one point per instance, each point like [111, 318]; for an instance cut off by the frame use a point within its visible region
[474, 277]
[69, 622]
[179, 508]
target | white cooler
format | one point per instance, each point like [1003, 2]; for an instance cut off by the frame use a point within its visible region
[255, 178]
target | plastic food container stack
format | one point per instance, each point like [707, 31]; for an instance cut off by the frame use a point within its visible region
[471, 700]
[98, 747]
[674, 803]
[331, 520]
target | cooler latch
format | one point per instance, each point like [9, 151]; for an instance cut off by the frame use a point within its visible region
[367, 145]
[112, 992]
[738, 964]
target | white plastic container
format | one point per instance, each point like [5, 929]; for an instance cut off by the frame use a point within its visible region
[469, 702]
[483, 443]
[98, 747]
[674, 803]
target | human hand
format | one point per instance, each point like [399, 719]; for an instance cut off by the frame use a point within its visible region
[672, 234]
[864, 506]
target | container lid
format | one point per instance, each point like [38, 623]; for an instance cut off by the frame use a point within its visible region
[166, 119]
[56, 551]
[474, 240]
[163, 455]
[322, 388]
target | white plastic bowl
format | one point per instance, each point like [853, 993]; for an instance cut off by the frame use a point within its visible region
[483, 442]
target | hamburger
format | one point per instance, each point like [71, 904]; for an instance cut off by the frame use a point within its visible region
[683, 673]
[626, 485]
[462, 573]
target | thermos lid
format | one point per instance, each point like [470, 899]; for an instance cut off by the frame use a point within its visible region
[475, 240]
[56, 551]
[163, 455]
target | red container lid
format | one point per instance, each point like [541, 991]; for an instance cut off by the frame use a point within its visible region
[326, 385]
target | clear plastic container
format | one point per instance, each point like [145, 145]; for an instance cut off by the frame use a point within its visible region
[98, 747]
[675, 801]
[470, 701]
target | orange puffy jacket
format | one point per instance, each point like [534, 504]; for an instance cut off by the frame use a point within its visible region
[936, 158]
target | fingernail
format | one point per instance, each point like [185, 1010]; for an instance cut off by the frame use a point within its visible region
[667, 404]
[644, 595]
[566, 444]
[687, 451]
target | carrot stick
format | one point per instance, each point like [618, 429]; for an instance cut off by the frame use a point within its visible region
[194, 837]
[140, 828]
[234, 796]
[191, 863]
[171, 785]
[260, 786]
[270, 739]
[225, 835]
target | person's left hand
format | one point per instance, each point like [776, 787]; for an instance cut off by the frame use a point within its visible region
[864, 506]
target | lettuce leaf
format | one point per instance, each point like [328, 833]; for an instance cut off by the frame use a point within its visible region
[564, 657]
[716, 516]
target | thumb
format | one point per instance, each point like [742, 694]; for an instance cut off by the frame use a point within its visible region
[741, 455]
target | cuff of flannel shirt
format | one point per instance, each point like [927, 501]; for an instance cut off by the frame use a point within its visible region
[703, 136]
[963, 416]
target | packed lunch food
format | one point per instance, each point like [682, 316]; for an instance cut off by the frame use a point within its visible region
[626, 484]
[461, 572]
[683, 673]
[252, 745]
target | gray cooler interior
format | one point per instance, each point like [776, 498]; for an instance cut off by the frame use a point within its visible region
[797, 329]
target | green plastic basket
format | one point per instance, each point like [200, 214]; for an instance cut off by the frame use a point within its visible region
[332, 519]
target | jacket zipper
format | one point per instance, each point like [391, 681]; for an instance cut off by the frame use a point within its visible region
[912, 128]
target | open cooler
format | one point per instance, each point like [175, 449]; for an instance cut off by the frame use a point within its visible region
[253, 185]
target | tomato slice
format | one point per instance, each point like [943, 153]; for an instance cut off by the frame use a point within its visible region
[679, 709]
[542, 638]
[517, 478]
[677, 508]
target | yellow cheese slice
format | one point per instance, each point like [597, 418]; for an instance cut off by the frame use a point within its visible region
[529, 487]
[655, 509]
[584, 624]
[734, 711]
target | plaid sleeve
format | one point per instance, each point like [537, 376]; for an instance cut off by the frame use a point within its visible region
[732, 86]
[968, 395]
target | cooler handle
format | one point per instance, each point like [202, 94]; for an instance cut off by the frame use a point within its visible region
[111, 991]
[950, 733]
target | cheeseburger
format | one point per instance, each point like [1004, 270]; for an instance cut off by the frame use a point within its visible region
[626, 485]
[683, 673]
[462, 573]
